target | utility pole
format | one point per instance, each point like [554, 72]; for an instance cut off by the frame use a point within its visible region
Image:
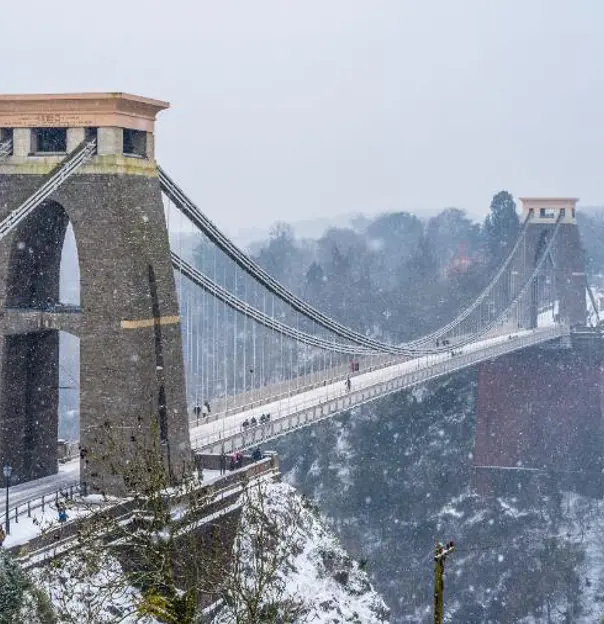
[440, 556]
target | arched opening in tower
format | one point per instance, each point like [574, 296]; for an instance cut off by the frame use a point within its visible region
[69, 355]
[41, 360]
[543, 287]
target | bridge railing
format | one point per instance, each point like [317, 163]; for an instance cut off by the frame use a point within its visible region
[403, 375]
[25, 508]
[61, 538]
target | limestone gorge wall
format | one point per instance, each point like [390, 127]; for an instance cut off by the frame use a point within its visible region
[395, 477]
[316, 580]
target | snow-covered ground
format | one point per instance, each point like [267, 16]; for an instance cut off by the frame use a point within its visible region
[312, 575]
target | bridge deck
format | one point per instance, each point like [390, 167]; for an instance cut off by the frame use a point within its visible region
[303, 409]
[300, 410]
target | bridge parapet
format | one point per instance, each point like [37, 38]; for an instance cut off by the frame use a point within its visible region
[308, 408]
[222, 496]
[38, 130]
[547, 209]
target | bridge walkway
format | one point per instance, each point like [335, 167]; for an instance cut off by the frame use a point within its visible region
[305, 408]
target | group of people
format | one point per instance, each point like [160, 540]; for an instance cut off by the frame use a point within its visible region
[264, 418]
[237, 459]
[202, 410]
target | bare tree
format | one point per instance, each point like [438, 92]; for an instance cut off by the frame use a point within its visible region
[253, 587]
[163, 551]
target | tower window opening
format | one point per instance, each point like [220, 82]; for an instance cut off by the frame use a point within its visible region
[574, 213]
[49, 140]
[91, 134]
[135, 143]
[547, 213]
[562, 212]
[6, 134]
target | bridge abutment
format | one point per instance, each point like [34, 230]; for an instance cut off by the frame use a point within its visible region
[539, 413]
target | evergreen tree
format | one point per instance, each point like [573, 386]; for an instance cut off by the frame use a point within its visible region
[501, 226]
[20, 600]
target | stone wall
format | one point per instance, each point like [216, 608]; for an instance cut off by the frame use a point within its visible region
[540, 409]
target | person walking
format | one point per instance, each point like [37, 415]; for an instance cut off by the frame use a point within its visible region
[196, 412]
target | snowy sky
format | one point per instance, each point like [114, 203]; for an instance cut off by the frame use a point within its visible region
[303, 109]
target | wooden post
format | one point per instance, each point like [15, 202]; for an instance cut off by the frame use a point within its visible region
[440, 556]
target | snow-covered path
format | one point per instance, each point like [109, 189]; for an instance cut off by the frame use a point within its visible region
[68, 473]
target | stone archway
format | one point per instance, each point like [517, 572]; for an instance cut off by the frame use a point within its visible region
[128, 318]
[31, 350]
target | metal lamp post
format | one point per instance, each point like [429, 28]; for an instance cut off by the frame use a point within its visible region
[7, 470]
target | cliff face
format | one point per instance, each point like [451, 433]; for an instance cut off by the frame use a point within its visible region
[394, 478]
[298, 568]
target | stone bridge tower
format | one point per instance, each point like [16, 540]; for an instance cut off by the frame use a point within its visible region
[566, 260]
[132, 388]
[539, 411]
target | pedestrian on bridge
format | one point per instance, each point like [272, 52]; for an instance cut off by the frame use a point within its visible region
[222, 463]
[197, 411]
[2, 536]
[348, 384]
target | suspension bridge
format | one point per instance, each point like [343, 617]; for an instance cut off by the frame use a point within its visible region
[185, 338]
